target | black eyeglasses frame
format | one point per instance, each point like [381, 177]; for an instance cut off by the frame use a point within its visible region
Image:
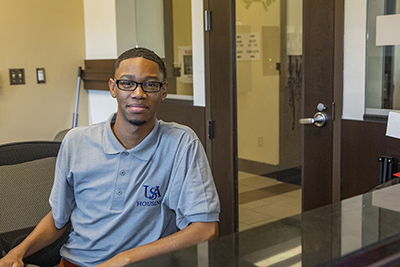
[160, 85]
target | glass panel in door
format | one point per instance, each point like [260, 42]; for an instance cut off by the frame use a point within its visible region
[269, 80]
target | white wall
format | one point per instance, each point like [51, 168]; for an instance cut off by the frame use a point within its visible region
[199, 92]
[125, 23]
[100, 29]
[354, 59]
[150, 31]
[101, 43]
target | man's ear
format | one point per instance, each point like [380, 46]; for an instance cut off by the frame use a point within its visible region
[164, 91]
[112, 86]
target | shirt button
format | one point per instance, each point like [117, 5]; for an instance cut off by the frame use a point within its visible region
[119, 192]
[125, 153]
[122, 173]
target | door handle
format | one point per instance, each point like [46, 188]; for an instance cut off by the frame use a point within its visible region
[319, 119]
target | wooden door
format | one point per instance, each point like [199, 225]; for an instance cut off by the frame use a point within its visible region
[323, 57]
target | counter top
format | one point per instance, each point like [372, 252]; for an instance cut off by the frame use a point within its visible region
[332, 235]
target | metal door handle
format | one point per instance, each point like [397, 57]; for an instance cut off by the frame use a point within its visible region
[319, 119]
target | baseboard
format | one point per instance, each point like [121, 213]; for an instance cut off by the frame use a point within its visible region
[255, 167]
[291, 175]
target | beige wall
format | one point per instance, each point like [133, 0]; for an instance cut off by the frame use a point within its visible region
[258, 94]
[40, 34]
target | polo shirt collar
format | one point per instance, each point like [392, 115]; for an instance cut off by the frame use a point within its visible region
[143, 151]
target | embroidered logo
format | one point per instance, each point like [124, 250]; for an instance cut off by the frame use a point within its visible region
[152, 193]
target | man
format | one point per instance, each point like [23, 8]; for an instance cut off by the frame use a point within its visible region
[132, 187]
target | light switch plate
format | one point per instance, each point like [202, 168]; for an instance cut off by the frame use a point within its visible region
[40, 75]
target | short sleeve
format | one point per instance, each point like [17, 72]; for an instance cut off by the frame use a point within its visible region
[62, 199]
[193, 194]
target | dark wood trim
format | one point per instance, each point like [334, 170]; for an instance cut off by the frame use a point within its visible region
[376, 118]
[169, 44]
[221, 108]
[97, 72]
[337, 98]
[179, 102]
[207, 82]
[362, 143]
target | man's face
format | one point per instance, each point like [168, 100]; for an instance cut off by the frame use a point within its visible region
[138, 107]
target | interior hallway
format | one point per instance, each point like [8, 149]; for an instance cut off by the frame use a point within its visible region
[263, 200]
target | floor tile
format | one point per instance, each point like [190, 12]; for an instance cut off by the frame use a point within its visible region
[254, 195]
[277, 211]
[243, 175]
[279, 189]
[245, 188]
[272, 219]
[259, 181]
[243, 226]
[296, 193]
[263, 200]
[254, 204]
[250, 217]
[279, 199]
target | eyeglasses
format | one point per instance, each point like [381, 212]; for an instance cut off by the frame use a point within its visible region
[148, 87]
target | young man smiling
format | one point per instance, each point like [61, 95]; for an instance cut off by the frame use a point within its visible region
[132, 187]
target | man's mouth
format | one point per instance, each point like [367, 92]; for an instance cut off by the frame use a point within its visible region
[137, 108]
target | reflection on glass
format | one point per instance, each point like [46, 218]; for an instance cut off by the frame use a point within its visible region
[150, 25]
[168, 32]
[383, 61]
[269, 83]
[164, 26]
[182, 38]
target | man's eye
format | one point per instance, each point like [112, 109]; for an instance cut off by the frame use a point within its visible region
[127, 83]
[151, 84]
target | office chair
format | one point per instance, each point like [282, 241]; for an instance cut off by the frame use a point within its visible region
[60, 135]
[26, 178]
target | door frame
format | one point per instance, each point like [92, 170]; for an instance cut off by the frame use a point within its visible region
[325, 36]
[338, 99]
[220, 73]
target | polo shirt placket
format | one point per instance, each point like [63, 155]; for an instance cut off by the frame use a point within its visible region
[122, 181]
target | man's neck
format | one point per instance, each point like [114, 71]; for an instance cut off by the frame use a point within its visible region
[130, 135]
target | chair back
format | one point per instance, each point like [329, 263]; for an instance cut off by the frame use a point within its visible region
[26, 178]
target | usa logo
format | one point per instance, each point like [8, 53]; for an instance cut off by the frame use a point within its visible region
[153, 194]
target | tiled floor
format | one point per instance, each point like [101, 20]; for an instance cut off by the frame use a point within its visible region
[263, 200]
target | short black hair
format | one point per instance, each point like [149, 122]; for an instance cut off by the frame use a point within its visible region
[144, 53]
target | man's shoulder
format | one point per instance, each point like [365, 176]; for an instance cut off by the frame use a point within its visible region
[177, 129]
[91, 131]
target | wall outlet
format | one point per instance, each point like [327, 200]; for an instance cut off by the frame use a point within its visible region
[17, 76]
[260, 141]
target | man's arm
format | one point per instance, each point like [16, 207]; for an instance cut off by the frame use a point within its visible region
[195, 233]
[44, 234]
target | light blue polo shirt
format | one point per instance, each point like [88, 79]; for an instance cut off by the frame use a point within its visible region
[118, 199]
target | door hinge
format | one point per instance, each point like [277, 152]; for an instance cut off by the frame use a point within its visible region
[333, 111]
[207, 20]
[210, 129]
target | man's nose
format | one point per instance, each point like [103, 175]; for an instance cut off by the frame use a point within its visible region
[138, 92]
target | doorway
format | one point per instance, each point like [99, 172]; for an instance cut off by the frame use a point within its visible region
[269, 86]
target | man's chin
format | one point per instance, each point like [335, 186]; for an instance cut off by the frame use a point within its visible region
[137, 122]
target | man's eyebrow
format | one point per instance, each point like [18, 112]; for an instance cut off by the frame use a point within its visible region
[133, 77]
[130, 77]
